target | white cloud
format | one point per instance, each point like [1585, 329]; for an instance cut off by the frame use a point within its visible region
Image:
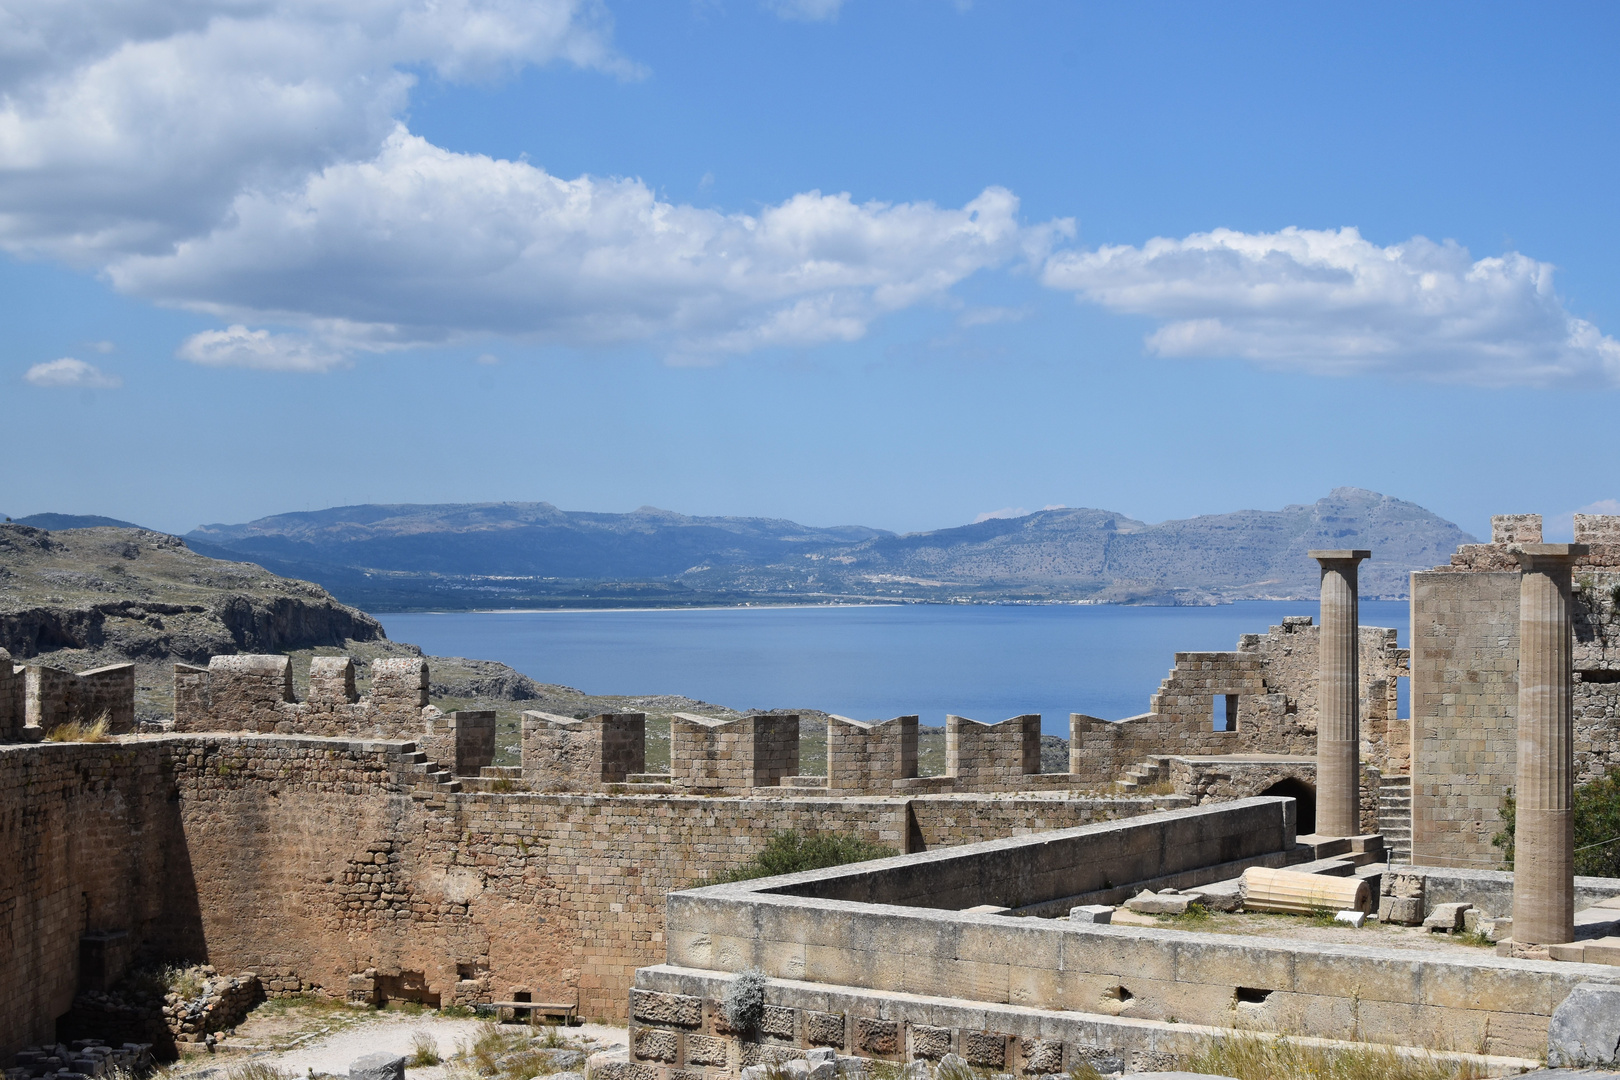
[127, 125]
[1333, 303]
[237, 346]
[68, 373]
[1004, 512]
[420, 244]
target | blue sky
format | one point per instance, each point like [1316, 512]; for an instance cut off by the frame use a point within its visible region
[893, 262]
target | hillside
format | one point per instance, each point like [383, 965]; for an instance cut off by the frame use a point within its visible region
[505, 555]
[84, 597]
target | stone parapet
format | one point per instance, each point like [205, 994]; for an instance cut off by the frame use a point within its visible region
[864, 756]
[997, 755]
[585, 753]
[712, 754]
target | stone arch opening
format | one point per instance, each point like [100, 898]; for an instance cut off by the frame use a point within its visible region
[1304, 797]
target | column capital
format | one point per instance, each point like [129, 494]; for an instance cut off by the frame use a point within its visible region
[1533, 555]
[1353, 555]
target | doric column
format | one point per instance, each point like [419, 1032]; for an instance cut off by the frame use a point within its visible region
[1544, 834]
[1338, 697]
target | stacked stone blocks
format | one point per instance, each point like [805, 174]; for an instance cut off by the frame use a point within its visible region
[992, 755]
[560, 751]
[868, 756]
[709, 754]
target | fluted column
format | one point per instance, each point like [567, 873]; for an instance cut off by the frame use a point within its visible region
[1338, 697]
[1544, 834]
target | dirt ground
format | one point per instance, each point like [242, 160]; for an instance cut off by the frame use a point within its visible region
[313, 1038]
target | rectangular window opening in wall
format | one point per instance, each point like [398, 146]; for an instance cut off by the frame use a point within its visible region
[1224, 712]
[1599, 675]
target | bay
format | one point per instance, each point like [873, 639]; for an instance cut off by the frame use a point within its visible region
[982, 661]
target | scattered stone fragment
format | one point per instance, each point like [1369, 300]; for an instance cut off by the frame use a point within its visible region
[1092, 913]
[377, 1067]
[1447, 917]
[1354, 918]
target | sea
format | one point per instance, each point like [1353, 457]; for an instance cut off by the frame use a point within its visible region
[987, 662]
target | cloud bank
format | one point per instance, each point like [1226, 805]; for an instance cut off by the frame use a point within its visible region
[245, 158]
[1330, 302]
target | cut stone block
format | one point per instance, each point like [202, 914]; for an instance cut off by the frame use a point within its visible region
[1446, 917]
[1092, 913]
[1585, 1029]
[1354, 918]
[1148, 903]
[1400, 910]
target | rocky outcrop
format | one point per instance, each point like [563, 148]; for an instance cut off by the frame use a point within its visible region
[145, 596]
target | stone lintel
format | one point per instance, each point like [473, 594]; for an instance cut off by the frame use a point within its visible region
[1549, 552]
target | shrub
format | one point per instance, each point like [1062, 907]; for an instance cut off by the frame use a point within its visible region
[744, 1001]
[1596, 810]
[790, 851]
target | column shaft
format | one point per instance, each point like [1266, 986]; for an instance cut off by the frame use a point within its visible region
[1544, 834]
[1338, 698]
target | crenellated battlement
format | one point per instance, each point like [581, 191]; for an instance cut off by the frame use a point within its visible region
[35, 698]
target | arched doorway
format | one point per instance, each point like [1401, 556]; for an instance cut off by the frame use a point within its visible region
[1304, 796]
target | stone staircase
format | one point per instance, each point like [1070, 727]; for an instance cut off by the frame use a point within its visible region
[436, 780]
[1395, 816]
[1155, 770]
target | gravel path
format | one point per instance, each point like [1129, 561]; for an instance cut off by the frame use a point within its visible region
[332, 1053]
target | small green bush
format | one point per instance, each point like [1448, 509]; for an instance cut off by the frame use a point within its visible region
[790, 851]
[1596, 810]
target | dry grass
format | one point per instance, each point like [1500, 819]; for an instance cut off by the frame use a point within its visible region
[257, 1070]
[1259, 1057]
[509, 1053]
[77, 732]
[424, 1050]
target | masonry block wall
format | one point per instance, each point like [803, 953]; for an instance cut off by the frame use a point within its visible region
[12, 699]
[992, 755]
[463, 741]
[1465, 638]
[54, 697]
[585, 753]
[733, 755]
[1465, 687]
[255, 693]
[862, 756]
[357, 862]
[1272, 678]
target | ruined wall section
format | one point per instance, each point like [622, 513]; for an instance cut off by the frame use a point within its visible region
[54, 697]
[1272, 678]
[338, 866]
[89, 838]
[13, 699]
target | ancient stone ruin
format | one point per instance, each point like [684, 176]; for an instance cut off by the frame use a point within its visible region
[368, 848]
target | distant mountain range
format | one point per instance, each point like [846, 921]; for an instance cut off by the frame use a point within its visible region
[506, 555]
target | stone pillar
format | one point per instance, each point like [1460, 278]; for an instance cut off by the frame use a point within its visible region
[1544, 834]
[1338, 700]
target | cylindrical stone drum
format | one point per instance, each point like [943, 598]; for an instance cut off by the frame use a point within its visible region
[1294, 893]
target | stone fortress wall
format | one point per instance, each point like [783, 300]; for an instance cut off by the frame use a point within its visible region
[351, 867]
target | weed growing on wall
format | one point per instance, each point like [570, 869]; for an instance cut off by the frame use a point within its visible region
[744, 1000]
[77, 732]
[790, 851]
